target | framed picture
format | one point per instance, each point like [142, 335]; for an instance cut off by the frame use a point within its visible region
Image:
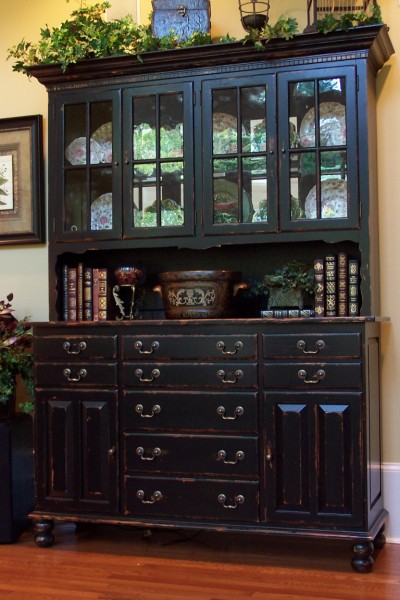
[21, 180]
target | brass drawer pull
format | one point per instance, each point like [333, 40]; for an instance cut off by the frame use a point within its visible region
[155, 497]
[320, 374]
[238, 412]
[237, 346]
[154, 411]
[74, 348]
[238, 500]
[80, 375]
[154, 374]
[222, 375]
[155, 453]
[319, 345]
[238, 457]
[153, 347]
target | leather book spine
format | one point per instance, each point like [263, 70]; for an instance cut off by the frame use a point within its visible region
[103, 302]
[354, 287]
[79, 292]
[330, 286]
[319, 280]
[95, 294]
[87, 294]
[72, 293]
[343, 285]
[65, 292]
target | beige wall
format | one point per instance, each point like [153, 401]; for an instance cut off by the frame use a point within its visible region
[23, 269]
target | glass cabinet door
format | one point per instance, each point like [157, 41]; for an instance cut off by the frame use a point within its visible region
[90, 185]
[318, 153]
[158, 161]
[239, 155]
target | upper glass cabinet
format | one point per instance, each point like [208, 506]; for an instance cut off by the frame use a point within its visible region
[317, 154]
[90, 156]
[239, 148]
[158, 161]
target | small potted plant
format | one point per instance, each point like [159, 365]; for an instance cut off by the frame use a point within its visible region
[290, 284]
[15, 357]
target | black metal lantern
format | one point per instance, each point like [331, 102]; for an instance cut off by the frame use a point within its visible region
[254, 13]
[318, 9]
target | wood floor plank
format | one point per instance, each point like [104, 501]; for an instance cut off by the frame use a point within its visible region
[117, 563]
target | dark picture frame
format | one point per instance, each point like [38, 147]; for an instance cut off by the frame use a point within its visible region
[21, 180]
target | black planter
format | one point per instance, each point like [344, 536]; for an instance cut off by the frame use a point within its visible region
[16, 476]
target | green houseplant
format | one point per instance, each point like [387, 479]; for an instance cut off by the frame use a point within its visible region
[289, 284]
[15, 354]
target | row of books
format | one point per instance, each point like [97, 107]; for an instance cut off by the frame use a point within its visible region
[84, 293]
[337, 279]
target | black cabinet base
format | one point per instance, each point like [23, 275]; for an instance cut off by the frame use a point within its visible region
[16, 476]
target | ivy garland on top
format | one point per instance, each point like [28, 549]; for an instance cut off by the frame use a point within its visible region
[89, 35]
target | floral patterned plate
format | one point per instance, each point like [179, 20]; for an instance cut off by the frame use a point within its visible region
[101, 212]
[333, 200]
[75, 153]
[332, 117]
[103, 133]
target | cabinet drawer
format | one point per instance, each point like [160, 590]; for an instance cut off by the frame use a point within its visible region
[313, 376]
[75, 347]
[192, 498]
[323, 345]
[76, 374]
[187, 347]
[184, 374]
[213, 411]
[196, 454]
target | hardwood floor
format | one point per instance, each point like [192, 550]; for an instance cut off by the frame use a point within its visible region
[115, 563]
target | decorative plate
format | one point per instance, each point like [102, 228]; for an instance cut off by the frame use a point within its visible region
[226, 202]
[223, 121]
[333, 200]
[103, 133]
[332, 116]
[101, 212]
[75, 153]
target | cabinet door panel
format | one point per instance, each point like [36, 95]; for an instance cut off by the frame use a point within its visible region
[314, 449]
[76, 451]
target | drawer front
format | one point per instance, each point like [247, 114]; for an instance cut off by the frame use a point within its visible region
[313, 376]
[75, 347]
[321, 345]
[213, 411]
[197, 454]
[187, 347]
[192, 498]
[76, 374]
[181, 374]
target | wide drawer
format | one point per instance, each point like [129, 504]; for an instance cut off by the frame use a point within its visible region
[76, 374]
[191, 454]
[192, 498]
[75, 347]
[187, 347]
[213, 411]
[185, 374]
[313, 375]
[323, 345]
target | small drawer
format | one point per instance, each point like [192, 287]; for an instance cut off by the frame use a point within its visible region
[192, 498]
[321, 345]
[191, 454]
[190, 375]
[191, 411]
[76, 374]
[313, 376]
[75, 347]
[166, 347]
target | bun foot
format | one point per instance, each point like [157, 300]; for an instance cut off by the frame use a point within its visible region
[362, 560]
[43, 533]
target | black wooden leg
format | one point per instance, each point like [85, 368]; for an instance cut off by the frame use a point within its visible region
[380, 539]
[43, 533]
[362, 560]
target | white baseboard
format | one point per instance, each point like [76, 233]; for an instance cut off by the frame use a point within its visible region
[391, 495]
